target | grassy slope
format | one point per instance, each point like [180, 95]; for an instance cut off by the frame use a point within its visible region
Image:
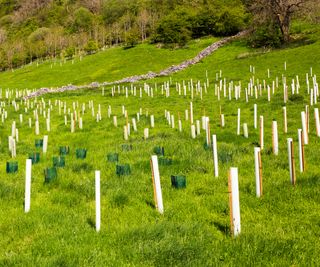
[113, 64]
[280, 229]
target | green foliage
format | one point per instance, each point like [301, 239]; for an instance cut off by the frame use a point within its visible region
[6, 21]
[132, 38]
[267, 35]
[7, 6]
[91, 47]
[38, 35]
[181, 25]
[175, 28]
[83, 20]
[70, 52]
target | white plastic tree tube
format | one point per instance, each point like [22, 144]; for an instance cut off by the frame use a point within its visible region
[45, 144]
[27, 196]
[275, 142]
[215, 155]
[191, 113]
[304, 127]
[291, 161]
[285, 123]
[317, 121]
[98, 204]
[301, 151]
[234, 201]
[258, 171]
[261, 133]
[156, 184]
[255, 115]
[238, 124]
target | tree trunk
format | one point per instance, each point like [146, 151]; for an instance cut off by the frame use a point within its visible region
[284, 24]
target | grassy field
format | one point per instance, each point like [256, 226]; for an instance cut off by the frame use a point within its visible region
[110, 65]
[279, 229]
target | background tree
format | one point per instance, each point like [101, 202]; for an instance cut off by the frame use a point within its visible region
[277, 12]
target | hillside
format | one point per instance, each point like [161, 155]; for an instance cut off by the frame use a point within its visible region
[49, 29]
[281, 228]
[110, 65]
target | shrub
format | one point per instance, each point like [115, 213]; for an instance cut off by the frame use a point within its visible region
[91, 47]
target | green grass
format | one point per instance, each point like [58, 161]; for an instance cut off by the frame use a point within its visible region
[280, 229]
[110, 65]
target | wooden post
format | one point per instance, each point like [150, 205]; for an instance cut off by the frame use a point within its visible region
[156, 184]
[234, 202]
[98, 204]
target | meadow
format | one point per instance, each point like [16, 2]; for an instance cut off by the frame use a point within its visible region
[280, 229]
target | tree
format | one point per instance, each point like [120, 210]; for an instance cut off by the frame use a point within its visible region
[83, 20]
[278, 12]
[3, 36]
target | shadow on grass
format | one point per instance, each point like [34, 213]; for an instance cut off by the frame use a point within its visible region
[223, 228]
[91, 223]
[150, 204]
